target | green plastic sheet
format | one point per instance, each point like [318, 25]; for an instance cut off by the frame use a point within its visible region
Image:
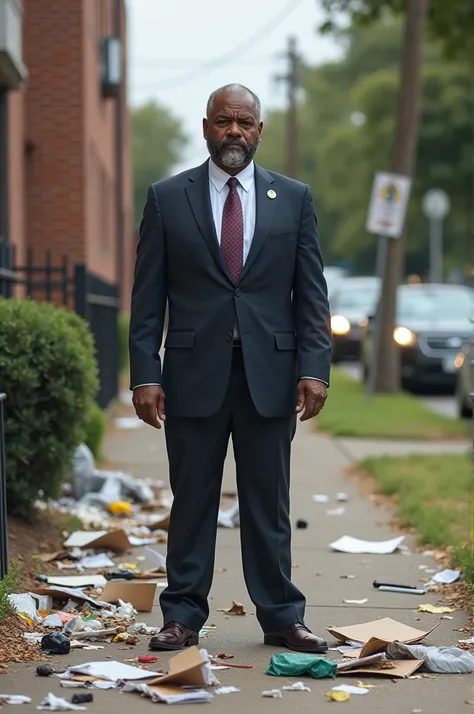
[294, 665]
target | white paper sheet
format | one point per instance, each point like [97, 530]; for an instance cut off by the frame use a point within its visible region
[336, 511]
[79, 539]
[156, 558]
[226, 690]
[112, 671]
[53, 621]
[320, 498]
[101, 560]
[14, 699]
[137, 542]
[78, 581]
[350, 689]
[348, 544]
[447, 576]
[51, 703]
[188, 696]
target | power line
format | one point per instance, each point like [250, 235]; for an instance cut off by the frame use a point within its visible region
[164, 62]
[217, 62]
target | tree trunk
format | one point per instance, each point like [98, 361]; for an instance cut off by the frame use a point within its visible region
[403, 161]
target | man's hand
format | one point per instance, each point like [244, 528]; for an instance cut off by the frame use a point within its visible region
[149, 403]
[311, 396]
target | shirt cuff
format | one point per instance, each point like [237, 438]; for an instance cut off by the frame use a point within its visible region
[150, 384]
[316, 379]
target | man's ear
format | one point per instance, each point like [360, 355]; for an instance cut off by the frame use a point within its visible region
[205, 126]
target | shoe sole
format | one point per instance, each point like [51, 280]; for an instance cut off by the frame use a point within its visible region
[280, 642]
[163, 647]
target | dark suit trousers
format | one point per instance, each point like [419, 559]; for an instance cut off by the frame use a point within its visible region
[197, 449]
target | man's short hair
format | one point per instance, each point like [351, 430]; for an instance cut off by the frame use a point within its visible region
[237, 89]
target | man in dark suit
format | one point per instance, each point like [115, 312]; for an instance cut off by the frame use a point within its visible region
[233, 250]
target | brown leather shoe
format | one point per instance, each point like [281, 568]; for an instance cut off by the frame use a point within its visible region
[298, 638]
[174, 636]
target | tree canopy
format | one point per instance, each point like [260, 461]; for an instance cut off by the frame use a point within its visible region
[347, 121]
[158, 142]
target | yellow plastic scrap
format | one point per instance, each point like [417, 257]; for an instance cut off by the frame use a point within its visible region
[129, 566]
[338, 696]
[435, 610]
[120, 508]
[27, 619]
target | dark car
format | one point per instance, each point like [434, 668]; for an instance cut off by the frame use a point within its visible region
[465, 380]
[352, 301]
[433, 322]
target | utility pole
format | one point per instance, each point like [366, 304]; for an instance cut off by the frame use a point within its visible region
[403, 160]
[291, 80]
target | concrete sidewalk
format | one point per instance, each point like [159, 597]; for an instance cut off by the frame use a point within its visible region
[319, 465]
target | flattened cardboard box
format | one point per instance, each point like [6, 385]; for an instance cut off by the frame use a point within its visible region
[140, 595]
[116, 540]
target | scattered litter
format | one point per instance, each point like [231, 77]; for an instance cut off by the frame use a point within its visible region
[291, 665]
[158, 560]
[236, 609]
[14, 699]
[226, 690]
[147, 659]
[443, 660]
[51, 703]
[74, 581]
[297, 687]
[301, 523]
[272, 693]
[229, 518]
[336, 511]
[342, 497]
[435, 610]
[114, 540]
[356, 602]
[120, 508]
[24, 604]
[446, 577]
[446, 617]
[140, 596]
[110, 671]
[350, 689]
[99, 561]
[85, 698]
[338, 696]
[347, 577]
[56, 643]
[224, 655]
[348, 544]
[320, 498]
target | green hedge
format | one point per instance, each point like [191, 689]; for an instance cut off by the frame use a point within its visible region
[49, 373]
[95, 426]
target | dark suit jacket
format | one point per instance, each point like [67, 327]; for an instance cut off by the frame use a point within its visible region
[280, 301]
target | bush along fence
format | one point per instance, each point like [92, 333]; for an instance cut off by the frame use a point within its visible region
[3, 496]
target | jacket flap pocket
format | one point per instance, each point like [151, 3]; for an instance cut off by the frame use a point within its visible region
[285, 340]
[179, 339]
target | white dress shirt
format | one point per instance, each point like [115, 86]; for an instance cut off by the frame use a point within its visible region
[218, 191]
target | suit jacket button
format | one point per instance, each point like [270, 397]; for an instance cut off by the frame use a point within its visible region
[238, 292]
[229, 337]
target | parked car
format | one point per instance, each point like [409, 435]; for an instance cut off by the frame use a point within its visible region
[353, 300]
[334, 274]
[433, 322]
[465, 379]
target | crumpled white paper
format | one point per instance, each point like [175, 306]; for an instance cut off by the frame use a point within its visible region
[51, 703]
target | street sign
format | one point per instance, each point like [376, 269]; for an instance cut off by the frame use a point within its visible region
[388, 204]
[436, 204]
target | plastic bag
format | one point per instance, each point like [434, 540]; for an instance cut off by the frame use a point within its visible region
[442, 660]
[294, 665]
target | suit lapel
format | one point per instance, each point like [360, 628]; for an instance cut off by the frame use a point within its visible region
[200, 202]
[265, 213]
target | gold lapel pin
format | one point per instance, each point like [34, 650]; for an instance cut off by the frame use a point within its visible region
[271, 193]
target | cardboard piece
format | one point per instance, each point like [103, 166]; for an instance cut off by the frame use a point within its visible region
[140, 595]
[64, 594]
[401, 669]
[116, 540]
[185, 670]
[377, 634]
[50, 557]
[161, 525]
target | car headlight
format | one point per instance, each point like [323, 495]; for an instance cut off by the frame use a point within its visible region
[403, 336]
[459, 361]
[340, 325]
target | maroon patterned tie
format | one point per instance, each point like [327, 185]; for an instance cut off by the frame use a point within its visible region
[232, 234]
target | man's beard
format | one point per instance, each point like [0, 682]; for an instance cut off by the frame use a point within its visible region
[232, 157]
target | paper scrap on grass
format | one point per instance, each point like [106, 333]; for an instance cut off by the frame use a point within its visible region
[140, 595]
[51, 703]
[435, 610]
[115, 540]
[447, 576]
[14, 699]
[236, 609]
[348, 544]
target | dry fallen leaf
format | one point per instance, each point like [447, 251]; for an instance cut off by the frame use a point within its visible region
[469, 701]
[435, 610]
[236, 609]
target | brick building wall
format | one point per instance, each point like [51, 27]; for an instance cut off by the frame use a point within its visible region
[63, 167]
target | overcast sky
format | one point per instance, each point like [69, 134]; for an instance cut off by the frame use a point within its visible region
[170, 41]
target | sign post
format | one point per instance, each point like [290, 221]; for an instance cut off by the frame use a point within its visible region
[386, 218]
[436, 206]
